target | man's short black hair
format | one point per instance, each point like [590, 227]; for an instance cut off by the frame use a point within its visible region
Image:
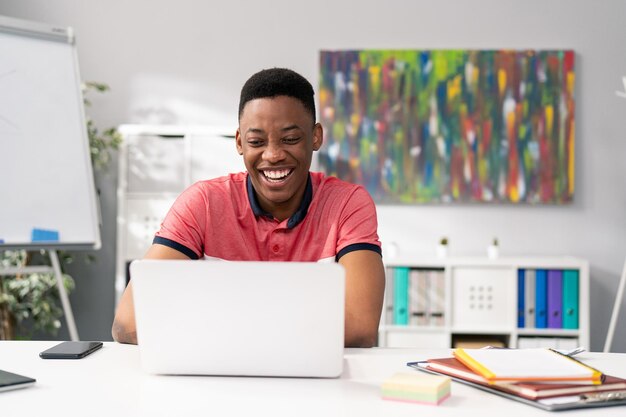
[273, 82]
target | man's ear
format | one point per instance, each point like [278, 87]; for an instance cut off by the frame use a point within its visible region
[238, 142]
[318, 136]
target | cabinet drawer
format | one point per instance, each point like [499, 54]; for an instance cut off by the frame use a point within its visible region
[417, 339]
[483, 297]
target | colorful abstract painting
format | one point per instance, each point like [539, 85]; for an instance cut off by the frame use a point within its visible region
[420, 126]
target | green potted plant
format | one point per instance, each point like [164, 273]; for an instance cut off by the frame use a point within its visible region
[33, 298]
[493, 250]
[442, 248]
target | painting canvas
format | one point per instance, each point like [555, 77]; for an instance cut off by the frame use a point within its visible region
[426, 126]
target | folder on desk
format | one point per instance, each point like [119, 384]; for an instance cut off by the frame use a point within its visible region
[549, 397]
[530, 390]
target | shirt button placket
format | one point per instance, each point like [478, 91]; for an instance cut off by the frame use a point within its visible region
[276, 246]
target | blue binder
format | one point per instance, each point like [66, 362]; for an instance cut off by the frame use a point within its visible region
[520, 298]
[541, 300]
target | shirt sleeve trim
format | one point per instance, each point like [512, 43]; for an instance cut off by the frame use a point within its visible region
[175, 245]
[358, 246]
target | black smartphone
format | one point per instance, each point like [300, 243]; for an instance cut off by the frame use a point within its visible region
[70, 350]
[10, 381]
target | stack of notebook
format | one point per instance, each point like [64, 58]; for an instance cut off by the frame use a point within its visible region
[540, 377]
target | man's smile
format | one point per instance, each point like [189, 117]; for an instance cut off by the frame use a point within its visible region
[276, 175]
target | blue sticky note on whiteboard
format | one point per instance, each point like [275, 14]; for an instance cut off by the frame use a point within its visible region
[43, 235]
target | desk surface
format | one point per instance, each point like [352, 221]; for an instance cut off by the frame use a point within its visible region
[111, 383]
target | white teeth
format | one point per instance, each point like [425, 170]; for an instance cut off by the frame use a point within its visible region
[277, 175]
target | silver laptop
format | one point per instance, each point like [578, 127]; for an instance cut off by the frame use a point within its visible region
[239, 318]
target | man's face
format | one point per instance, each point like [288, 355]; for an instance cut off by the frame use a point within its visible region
[277, 137]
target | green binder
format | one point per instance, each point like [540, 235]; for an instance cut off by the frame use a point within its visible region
[570, 299]
[401, 295]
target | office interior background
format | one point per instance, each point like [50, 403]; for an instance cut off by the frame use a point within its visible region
[184, 62]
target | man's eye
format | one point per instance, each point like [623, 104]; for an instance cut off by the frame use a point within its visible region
[255, 142]
[291, 140]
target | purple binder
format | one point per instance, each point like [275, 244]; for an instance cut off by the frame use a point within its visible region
[555, 299]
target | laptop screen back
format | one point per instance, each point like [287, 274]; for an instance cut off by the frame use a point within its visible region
[239, 318]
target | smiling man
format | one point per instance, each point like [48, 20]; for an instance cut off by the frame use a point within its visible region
[277, 210]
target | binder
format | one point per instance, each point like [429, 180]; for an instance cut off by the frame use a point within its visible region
[520, 298]
[418, 296]
[401, 296]
[555, 299]
[570, 299]
[436, 297]
[414, 312]
[541, 299]
[529, 298]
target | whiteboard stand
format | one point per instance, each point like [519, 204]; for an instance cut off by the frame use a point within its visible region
[55, 269]
[619, 298]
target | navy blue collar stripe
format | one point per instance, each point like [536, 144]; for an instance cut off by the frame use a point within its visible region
[296, 218]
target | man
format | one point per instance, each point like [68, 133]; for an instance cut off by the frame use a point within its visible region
[278, 210]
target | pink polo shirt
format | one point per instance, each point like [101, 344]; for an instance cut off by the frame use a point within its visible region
[221, 219]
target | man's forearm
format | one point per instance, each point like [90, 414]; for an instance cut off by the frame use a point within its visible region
[360, 338]
[123, 335]
[365, 288]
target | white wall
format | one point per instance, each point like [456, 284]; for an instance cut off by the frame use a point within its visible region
[184, 61]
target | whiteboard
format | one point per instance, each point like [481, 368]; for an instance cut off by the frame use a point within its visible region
[47, 191]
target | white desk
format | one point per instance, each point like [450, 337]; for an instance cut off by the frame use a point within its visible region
[110, 383]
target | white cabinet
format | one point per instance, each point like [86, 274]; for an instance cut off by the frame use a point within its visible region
[482, 297]
[156, 163]
[481, 301]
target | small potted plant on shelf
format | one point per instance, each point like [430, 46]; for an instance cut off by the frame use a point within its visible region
[493, 250]
[442, 248]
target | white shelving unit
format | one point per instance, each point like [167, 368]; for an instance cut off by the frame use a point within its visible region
[465, 278]
[156, 163]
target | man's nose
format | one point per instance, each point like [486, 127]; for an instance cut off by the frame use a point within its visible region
[274, 152]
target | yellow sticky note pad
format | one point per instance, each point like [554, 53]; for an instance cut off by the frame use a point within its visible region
[414, 387]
